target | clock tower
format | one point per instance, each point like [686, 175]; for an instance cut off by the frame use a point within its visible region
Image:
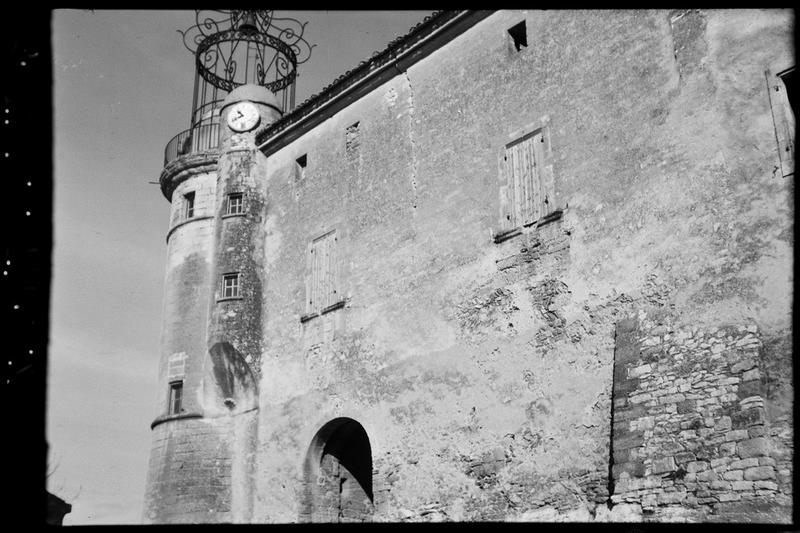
[205, 425]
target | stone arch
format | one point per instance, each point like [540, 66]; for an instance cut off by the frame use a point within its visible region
[337, 474]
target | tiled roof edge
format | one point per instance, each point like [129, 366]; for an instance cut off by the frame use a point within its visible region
[424, 28]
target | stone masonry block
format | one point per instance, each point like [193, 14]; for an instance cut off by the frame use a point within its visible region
[696, 466]
[665, 464]
[759, 473]
[751, 375]
[765, 485]
[748, 417]
[753, 447]
[744, 463]
[736, 434]
[749, 388]
[723, 424]
[733, 475]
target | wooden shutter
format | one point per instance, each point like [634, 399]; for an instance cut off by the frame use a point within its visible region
[321, 282]
[784, 121]
[522, 166]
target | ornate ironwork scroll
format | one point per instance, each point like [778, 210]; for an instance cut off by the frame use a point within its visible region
[234, 47]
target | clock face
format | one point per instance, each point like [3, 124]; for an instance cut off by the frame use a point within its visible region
[243, 117]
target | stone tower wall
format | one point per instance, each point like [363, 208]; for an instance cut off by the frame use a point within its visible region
[186, 451]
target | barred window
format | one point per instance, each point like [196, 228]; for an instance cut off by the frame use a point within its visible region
[230, 285]
[188, 205]
[235, 204]
[175, 397]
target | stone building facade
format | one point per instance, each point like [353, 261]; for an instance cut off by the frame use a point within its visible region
[521, 265]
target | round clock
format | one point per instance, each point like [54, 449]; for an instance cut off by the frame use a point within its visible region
[243, 116]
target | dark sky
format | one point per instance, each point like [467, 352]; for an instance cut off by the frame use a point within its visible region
[122, 89]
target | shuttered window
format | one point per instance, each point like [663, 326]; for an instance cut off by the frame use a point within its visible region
[526, 198]
[321, 290]
[780, 100]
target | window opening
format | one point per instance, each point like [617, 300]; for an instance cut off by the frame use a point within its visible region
[519, 35]
[302, 162]
[175, 397]
[188, 209]
[235, 204]
[230, 285]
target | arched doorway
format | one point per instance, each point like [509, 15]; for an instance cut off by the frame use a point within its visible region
[338, 474]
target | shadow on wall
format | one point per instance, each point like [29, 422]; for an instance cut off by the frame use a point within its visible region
[229, 386]
[337, 474]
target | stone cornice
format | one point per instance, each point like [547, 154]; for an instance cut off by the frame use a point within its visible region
[184, 167]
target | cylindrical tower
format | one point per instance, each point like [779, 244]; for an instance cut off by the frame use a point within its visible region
[215, 178]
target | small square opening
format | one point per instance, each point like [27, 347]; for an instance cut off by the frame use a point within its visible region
[519, 35]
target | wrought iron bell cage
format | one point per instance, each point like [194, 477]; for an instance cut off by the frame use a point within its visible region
[236, 47]
[233, 48]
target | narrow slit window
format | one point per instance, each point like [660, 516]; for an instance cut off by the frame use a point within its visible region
[231, 284]
[188, 205]
[519, 35]
[235, 204]
[175, 397]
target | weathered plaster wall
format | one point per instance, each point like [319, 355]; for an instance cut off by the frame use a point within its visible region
[483, 372]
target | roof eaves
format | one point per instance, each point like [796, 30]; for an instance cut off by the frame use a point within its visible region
[379, 59]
